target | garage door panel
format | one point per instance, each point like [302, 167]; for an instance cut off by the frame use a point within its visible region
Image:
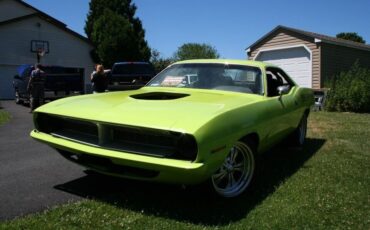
[301, 66]
[6, 81]
[299, 73]
[295, 61]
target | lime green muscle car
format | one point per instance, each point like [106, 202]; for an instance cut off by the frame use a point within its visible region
[197, 120]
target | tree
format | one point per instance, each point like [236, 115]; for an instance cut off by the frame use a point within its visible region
[351, 36]
[195, 51]
[115, 32]
[159, 62]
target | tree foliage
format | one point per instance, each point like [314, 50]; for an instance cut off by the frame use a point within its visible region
[350, 91]
[352, 36]
[195, 51]
[159, 62]
[115, 32]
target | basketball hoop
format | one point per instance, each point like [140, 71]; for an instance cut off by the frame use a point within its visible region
[40, 52]
[40, 48]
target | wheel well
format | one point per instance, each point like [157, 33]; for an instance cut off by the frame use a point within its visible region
[307, 112]
[251, 138]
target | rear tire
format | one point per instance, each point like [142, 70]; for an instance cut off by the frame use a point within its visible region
[299, 135]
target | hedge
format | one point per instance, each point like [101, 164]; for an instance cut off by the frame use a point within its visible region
[350, 91]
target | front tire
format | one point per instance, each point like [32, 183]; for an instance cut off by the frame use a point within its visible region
[236, 173]
[17, 98]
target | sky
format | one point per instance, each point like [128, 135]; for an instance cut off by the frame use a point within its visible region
[229, 26]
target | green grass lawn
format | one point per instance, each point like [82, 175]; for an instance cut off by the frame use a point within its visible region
[324, 186]
[4, 116]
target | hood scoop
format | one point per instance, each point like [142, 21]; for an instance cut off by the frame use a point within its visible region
[159, 96]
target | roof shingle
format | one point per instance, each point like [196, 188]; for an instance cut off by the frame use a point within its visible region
[323, 38]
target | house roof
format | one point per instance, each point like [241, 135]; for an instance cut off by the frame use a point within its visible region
[40, 12]
[316, 38]
[45, 17]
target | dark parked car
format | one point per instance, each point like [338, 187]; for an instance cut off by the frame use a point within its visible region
[59, 82]
[130, 75]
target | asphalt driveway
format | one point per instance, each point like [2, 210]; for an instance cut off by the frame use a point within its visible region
[29, 170]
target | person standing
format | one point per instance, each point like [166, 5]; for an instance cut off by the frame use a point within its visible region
[99, 80]
[36, 87]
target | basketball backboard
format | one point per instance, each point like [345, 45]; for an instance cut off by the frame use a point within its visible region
[38, 46]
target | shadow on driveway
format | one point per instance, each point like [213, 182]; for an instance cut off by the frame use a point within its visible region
[198, 204]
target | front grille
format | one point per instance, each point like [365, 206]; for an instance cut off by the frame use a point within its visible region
[143, 141]
[79, 130]
[138, 140]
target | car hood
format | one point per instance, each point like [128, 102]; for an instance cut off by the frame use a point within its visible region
[183, 110]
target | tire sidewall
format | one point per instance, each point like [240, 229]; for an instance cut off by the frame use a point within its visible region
[250, 146]
[301, 131]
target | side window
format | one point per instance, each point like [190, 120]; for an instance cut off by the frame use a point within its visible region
[272, 84]
[275, 78]
[286, 80]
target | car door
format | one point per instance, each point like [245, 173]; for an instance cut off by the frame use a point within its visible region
[279, 108]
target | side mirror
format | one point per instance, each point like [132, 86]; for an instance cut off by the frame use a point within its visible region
[17, 77]
[284, 89]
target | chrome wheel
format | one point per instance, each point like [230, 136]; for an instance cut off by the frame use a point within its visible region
[236, 173]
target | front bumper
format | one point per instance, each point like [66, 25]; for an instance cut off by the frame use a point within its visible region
[168, 170]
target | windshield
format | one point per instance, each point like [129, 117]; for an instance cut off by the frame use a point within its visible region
[237, 78]
[133, 68]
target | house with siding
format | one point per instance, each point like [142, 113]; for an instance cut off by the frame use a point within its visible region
[311, 59]
[23, 29]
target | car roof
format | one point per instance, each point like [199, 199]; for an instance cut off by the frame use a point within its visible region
[258, 64]
[130, 62]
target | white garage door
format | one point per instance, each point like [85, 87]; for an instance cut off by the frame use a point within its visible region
[295, 61]
[7, 73]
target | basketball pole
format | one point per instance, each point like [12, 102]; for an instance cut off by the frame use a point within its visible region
[40, 53]
[38, 57]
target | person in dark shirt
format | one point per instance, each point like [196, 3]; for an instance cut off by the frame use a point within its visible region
[99, 80]
[36, 87]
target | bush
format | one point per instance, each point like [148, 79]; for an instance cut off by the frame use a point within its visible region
[350, 91]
